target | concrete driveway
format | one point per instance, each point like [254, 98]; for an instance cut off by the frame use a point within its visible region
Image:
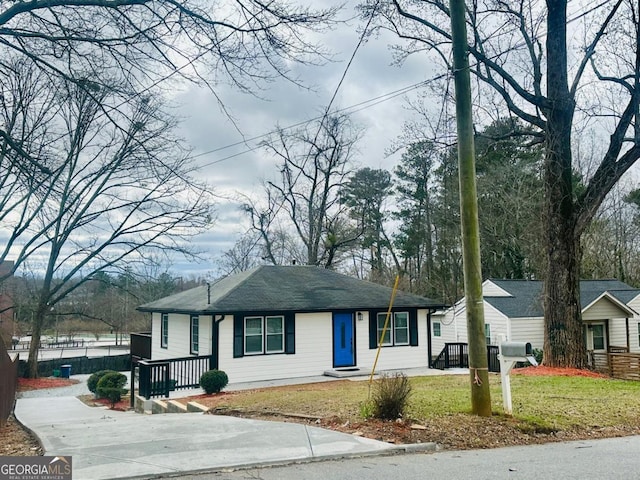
[108, 444]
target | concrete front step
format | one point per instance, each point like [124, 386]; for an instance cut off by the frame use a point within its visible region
[155, 406]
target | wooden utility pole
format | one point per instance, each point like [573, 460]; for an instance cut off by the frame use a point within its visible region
[478, 371]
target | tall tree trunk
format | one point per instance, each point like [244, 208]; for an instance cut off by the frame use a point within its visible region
[36, 332]
[563, 342]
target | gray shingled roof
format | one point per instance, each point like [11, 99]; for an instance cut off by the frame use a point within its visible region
[526, 295]
[270, 288]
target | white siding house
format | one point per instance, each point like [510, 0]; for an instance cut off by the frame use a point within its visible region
[513, 308]
[276, 322]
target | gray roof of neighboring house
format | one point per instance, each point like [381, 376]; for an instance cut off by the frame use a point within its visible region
[271, 288]
[526, 295]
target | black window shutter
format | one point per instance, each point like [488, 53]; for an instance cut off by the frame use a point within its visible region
[413, 328]
[373, 330]
[290, 333]
[238, 336]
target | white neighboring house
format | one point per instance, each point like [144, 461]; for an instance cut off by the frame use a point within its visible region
[276, 322]
[514, 308]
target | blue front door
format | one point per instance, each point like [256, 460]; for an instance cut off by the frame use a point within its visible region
[343, 342]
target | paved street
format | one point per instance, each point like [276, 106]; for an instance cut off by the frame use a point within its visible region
[615, 458]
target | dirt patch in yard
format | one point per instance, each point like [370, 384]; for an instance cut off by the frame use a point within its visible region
[17, 441]
[123, 405]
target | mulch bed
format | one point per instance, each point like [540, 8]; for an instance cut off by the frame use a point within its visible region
[25, 384]
[557, 371]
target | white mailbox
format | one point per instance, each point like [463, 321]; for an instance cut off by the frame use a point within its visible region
[510, 353]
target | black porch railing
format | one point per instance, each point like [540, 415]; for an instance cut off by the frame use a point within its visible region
[456, 355]
[158, 377]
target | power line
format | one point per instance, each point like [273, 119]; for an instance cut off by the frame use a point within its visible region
[349, 110]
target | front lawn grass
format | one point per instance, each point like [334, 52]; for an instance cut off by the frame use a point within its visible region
[542, 403]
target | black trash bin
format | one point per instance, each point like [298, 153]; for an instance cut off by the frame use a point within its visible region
[65, 371]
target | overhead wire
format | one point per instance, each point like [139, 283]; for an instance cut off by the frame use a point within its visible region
[327, 109]
[357, 107]
[352, 108]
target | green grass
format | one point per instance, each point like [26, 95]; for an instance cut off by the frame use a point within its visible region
[544, 403]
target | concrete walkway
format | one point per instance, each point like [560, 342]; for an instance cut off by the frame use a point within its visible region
[106, 444]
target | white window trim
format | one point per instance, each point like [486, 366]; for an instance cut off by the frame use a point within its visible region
[164, 330]
[195, 350]
[391, 328]
[244, 335]
[395, 341]
[439, 334]
[264, 335]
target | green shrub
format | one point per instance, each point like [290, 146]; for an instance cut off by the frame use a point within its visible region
[366, 409]
[390, 396]
[92, 383]
[213, 381]
[110, 387]
[537, 354]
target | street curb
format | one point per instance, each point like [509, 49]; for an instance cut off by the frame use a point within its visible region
[393, 450]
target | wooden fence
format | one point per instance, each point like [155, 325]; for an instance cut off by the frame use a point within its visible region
[618, 363]
[625, 366]
[8, 384]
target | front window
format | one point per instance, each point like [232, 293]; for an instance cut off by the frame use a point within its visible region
[397, 332]
[263, 335]
[195, 334]
[487, 333]
[598, 337]
[401, 328]
[275, 334]
[253, 335]
[386, 340]
[164, 330]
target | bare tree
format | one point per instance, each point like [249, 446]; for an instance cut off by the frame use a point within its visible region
[521, 56]
[303, 215]
[138, 44]
[119, 189]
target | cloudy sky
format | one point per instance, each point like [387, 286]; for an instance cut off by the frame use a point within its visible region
[240, 169]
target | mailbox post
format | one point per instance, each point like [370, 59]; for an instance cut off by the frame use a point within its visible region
[510, 353]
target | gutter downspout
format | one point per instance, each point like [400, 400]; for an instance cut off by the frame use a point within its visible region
[214, 361]
[429, 346]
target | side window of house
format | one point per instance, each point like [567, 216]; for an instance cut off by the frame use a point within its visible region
[436, 329]
[164, 330]
[195, 333]
[487, 333]
[397, 332]
[263, 335]
[639, 334]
